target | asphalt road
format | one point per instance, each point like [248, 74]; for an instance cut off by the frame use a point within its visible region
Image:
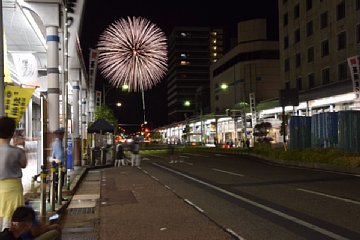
[259, 200]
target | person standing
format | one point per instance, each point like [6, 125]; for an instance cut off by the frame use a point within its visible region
[171, 153]
[57, 146]
[12, 160]
[120, 156]
[58, 155]
[135, 157]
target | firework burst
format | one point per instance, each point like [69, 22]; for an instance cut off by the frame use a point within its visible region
[133, 51]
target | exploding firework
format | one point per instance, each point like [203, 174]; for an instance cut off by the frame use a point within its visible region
[133, 52]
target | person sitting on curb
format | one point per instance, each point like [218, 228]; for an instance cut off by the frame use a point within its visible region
[21, 222]
[42, 231]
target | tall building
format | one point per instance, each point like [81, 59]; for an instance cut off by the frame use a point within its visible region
[250, 67]
[316, 39]
[191, 52]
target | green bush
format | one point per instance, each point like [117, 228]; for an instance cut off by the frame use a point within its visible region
[310, 155]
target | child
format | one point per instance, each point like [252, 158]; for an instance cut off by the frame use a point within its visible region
[120, 156]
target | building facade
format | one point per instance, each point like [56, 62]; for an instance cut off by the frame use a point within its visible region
[191, 51]
[250, 67]
[316, 39]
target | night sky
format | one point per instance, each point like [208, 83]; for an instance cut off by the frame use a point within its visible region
[166, 14]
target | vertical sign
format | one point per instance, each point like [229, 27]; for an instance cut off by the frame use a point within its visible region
[252, 109]
[353, 63]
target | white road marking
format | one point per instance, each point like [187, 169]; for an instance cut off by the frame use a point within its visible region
[167, 187]
[145, 159]
[329, 196]
[194, 205]
[259, 205]
[232, 173]
[235, 234]
[155, 178]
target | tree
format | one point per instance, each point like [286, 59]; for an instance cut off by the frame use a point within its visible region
[186, 132]
[261, 131]
[156, 136]
[106, 113]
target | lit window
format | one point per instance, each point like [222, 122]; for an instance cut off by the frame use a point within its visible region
[183, 34]
[214, 47]
[214, 41]
[184, 62]
[214, 60]
[214, 54]
[214, 33]
[183, 55]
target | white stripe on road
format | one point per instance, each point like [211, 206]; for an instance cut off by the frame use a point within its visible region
[194, 205]
[234, 234]
[223, 171]
[259, 205]
[329, 196]
[155, 178]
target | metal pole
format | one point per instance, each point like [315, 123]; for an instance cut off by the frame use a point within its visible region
[75, 120]
[2, 84]
[52, 186]
[53, 76]
[143, 103]
[43, 192]
[283, 124]
[60, 184]
[65, 89]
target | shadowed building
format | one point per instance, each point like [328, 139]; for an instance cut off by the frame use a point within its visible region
[250, 67]
[191, 52]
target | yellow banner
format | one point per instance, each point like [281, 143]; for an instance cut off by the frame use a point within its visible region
[16, 101]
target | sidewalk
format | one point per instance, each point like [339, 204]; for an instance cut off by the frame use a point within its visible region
[126, 203]
[33, 195]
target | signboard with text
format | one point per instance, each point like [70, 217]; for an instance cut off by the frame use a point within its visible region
[16, 100]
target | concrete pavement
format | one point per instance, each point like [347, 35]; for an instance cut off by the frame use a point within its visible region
[128, 203]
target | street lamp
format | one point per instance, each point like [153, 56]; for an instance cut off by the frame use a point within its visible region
[187, 103]
[224, 86]
[118, 104]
